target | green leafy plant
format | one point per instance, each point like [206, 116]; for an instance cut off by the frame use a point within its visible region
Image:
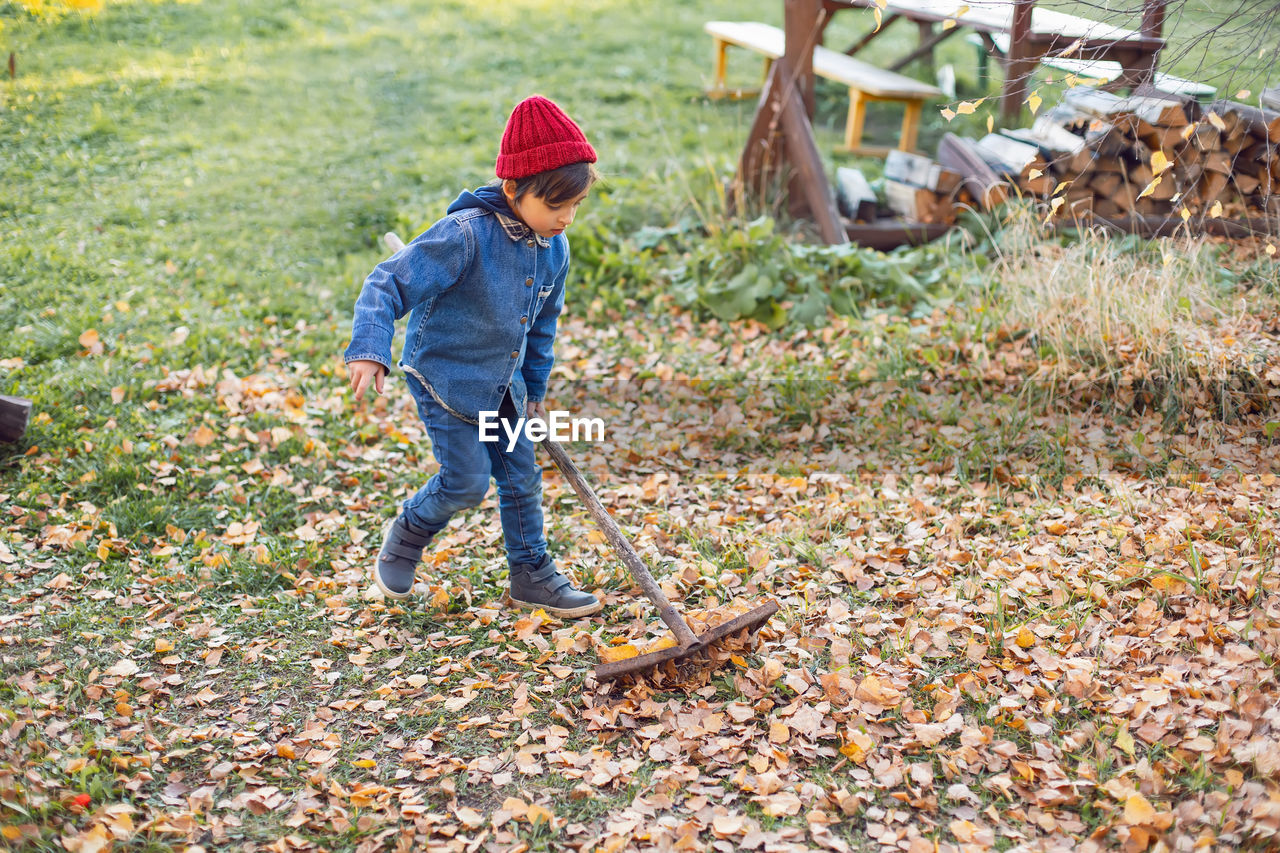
[754, 271]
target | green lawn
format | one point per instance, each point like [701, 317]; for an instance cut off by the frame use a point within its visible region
[1027, 580]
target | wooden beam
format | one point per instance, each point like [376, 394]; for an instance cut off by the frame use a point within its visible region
[869, 37]
[1021, 61]
[926, 47]
[803, 25]
[810, 178]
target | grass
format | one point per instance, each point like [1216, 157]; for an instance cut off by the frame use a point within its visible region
[193, 191]
[1155, 314]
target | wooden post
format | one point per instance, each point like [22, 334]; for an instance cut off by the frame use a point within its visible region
[803, 29]
[782, 136]
[1152, 18]
[14, 412]
[926, 43]
[1021, 61]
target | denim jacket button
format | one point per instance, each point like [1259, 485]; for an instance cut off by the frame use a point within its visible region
[524, 319]
[528, 282]
[515, 354]
[529, 243]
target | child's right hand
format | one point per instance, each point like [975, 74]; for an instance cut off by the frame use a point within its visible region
[360, 373]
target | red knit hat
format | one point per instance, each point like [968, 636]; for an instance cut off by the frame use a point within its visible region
[539, 137]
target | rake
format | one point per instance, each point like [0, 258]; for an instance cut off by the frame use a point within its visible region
[688, 644]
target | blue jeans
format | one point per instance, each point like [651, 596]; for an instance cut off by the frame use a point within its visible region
[466, 463]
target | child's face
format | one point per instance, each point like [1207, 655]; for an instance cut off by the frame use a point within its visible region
[547, 220]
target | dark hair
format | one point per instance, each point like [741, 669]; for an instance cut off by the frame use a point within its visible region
[557, 186]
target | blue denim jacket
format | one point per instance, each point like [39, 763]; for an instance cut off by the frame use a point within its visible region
[484, 306]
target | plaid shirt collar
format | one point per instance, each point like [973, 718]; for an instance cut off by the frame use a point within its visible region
[518, 231]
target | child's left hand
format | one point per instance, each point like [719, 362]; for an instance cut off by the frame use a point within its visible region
[535, 409]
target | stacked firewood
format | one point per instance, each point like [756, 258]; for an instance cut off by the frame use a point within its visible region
[1147, 154]
[915, 188]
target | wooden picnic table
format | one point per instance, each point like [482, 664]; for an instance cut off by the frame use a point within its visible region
[1031, 35]
[781, 144]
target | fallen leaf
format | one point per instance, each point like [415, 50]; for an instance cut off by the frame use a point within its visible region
[1137, 810]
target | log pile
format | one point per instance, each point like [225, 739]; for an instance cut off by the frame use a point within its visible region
[915, 189]
[1147, 154]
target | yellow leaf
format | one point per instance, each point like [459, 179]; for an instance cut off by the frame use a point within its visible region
[991, 124]
[1159, 162]
[779, 733]
[1150, 188]
[613, 654]
[965, 108]
[88, 338]
[366, 763]
[666, 641]
[469, 816]
[203, 436]
[123, 668]
[1216, 120]
[1025, 638]
[1137, 810]
[96, 840]
[537, 813]
[1216, 210]
[1185, 214]
[949, 24]
[947, 114]
[1271, 250]
[1242, 94]
[1057, 528]
[1032, 174]
[104, 549]
[879, 18]
[1034, 102]
[1124, 740]
[285, 750]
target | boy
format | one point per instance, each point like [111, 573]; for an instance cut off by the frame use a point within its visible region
[485, 286]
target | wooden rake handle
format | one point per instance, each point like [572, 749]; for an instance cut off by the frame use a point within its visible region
[639, 572]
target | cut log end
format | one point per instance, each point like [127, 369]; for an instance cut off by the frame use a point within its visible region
[14, 414]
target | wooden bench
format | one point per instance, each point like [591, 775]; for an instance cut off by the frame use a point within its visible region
[1104, 70]
[866, 82]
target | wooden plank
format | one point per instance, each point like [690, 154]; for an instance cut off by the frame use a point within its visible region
[886, 234]
[867, 77]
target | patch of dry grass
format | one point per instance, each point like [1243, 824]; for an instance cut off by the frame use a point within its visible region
[1112, 309]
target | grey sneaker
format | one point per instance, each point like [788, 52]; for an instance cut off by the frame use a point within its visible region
[402, 545]
[540, 584]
